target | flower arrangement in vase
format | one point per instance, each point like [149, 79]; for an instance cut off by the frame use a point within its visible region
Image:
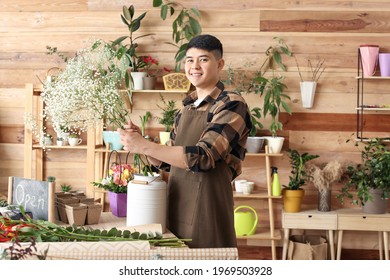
[119, 175]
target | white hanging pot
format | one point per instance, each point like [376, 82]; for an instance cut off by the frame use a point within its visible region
[308, 90]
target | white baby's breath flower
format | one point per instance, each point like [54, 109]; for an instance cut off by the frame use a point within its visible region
[86, 91]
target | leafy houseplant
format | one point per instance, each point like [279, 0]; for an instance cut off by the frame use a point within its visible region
[298, 175]
[293, 193]
[128, 50]
[373, 173]
[169, 112]
[272, 87]
[184, 27]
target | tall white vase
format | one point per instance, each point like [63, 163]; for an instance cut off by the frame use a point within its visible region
[138, 80]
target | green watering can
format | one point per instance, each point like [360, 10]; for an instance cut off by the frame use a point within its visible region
[245, 222]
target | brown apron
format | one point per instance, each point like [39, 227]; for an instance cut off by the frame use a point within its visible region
[200, 203]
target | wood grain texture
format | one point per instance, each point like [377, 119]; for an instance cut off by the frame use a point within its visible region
[332, 30]
[324, 21]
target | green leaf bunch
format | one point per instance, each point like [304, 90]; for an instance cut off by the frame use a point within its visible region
[298, 175]
[184, 27]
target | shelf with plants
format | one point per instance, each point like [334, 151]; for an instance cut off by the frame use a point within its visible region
[271, 233]
[362, 108]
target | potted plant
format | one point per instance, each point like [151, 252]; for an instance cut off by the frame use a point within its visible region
[271, 88]
[167, 118]
[254, 143]
[128, 50]
[293, 193]
[66, 188]
[119, 175]
[369, 181]
[309, 84]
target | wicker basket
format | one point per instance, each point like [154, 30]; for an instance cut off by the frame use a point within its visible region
[176, 81]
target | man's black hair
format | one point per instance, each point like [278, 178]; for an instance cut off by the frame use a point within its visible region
[208, 43]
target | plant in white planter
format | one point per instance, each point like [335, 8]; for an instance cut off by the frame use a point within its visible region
[272, 90]
[308, 84]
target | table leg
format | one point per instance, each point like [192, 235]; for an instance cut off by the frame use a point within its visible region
[285, 243]
[331, 244]
[380, 244]
[339, 243]
[386, 241]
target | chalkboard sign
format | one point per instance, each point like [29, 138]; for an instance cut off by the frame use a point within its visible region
[36, 197]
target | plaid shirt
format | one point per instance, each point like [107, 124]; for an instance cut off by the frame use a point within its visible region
[224, 138]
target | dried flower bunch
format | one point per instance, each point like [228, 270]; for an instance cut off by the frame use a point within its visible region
[323, 175]
[315, 69]
[86, 91]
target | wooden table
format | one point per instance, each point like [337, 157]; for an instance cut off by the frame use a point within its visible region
[128, 250]
[355, 219]
[313, 220]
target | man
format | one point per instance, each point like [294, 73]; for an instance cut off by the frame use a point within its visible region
[208, 146]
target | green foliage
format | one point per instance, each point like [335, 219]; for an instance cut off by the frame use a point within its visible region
[44, 231]
[298, 175]
[144, 119]
[372, 173]
[169, 112]
[66, 188]
[184, 27]
[3, 203]
[272, 88]
[51, 179]
[255, 118]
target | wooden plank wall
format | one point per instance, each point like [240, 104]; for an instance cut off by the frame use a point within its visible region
[332, 30]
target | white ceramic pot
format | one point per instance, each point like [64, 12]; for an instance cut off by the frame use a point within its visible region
[138, 80]
[275, 144]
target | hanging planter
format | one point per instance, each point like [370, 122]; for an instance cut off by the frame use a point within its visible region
[308, 91]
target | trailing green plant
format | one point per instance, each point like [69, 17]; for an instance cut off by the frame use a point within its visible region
[169, 112]
[184, 27]
[298, 175]
[372, 173]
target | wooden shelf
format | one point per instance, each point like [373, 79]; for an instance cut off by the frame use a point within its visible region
[55, 147]
[372, 78]
[373, 109]
[262, 235]
[262, 154]
[255, 195]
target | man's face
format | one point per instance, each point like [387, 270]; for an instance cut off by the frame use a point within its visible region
[202, 68]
